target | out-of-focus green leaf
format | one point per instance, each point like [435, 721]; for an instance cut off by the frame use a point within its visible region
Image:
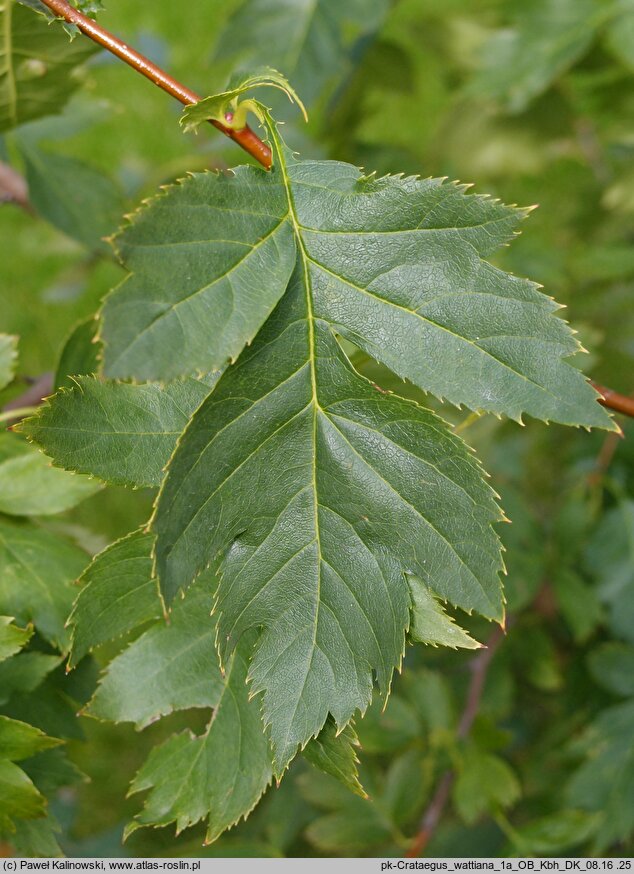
[31, 486]
[8, 358]
[310, 42]
[612, 666]
[25, 672]
[37, 65]
[605, 782]
[556, 832]
[37, 572]
[485, 784]
[119, 432]
[546, 38]
[118, 594]
[77, 199]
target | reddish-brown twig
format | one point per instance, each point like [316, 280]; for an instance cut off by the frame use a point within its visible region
[246, 138]
[431, 817]
[615, 401]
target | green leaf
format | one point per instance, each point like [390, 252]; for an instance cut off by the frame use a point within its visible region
[555, 832]
[18, 740]
[170, 667]
[37, 65]
[310, 42]
[485, 784]
[19, 799]
[80, 355]
[12, 638]
[612, 666]
[189, 776]
[610, 561]
[209, 259]
[548, 36]
[31, 486]
[317, 549]
[605, 782]
[335, 754]
[37, 572]
[8, 358]
[119, 432]
[24, 673]
[37, 837]
[74, 197]
[118, 594]
[226, 106]
[620, 33]
[431, 624]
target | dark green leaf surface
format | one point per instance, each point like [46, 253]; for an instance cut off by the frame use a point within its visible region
[37, 572]
[170, 667]
[317, 550]
[80, 355]
[485, 784]
[209, 259]
[31, 486]
[8, 358]
[76, 198]
[336, 754]
[36, 65]
[220, 775]
[118, 594]
[12, 638]
[119, 432]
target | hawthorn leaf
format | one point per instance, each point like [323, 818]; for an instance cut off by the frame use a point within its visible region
[431, 624]
[605, 781]
[37, 65]
[311, 42]
[335, 754]
[30, 485]
[620, 33]
[12, 638]
[80, 355]
[19, 740]
[19, 799]
[24, 673]
[118, 594]
[220, 775]
[37, 571]
[120, 432]
[547, 37]
[8, 358]
[485, 784]
[557, 831]
[208, 261]
[77, 199]
[612, 666]
[226, 106]
[169, 667]
[325, 490]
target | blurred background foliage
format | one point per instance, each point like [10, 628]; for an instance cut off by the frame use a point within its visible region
[534, 102]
